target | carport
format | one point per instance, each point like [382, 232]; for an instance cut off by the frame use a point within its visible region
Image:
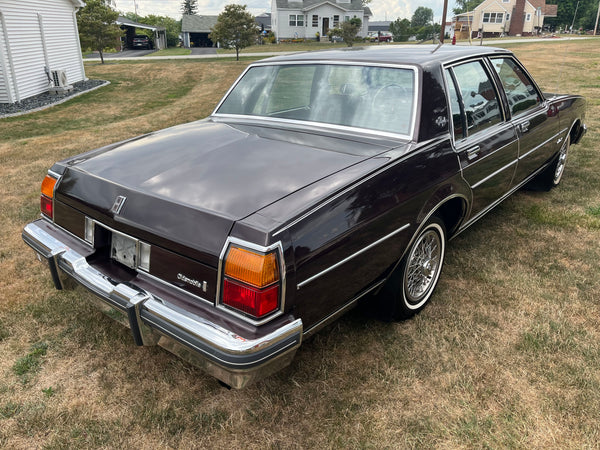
[160, 33]
[195, 30]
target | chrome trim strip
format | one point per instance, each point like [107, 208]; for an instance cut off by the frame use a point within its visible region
[494, 174]
[329, 126]
[540, 145]
[259, 248]
[332, 198]
[345, 260]
[498, 201]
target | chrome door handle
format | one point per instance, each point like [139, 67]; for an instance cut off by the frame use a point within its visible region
[473, 152]
[524, 126]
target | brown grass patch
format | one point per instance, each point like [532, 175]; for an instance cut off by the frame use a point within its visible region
[507, 354]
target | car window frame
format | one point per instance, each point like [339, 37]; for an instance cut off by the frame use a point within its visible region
[543, 104]
[500, 95]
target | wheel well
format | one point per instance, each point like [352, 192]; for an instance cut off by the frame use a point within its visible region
[574, 132]
[452, 213]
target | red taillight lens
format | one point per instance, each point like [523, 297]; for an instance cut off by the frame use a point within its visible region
[46, 206]
[47, 196]
[251, 282]
[256, 302]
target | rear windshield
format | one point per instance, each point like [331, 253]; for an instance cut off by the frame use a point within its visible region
[375, 98]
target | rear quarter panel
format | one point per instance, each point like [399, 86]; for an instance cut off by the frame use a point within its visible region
[399, 195]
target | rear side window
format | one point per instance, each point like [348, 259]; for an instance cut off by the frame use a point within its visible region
[477, 96]
[520, 91]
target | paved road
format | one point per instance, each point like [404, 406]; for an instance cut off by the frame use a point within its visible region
[499, 42]
[204, 51]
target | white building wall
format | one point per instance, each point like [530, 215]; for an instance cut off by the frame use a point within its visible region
[40, 33]
[280, 21]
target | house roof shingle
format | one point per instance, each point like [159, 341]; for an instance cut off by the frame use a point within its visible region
[353, 5]
[197, 24]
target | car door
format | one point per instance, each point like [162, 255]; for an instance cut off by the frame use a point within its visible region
[536, 123]
[486, 143]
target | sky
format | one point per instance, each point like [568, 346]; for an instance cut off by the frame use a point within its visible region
[382, 9]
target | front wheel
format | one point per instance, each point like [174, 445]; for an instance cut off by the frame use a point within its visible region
[412, 285]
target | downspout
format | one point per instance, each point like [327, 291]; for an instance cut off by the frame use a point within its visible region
[44, 48]
[17, 97]
[3, 66]
[79, 44]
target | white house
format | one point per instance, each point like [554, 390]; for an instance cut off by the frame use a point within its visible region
[37, 36]
[493, 18]
[305, 18]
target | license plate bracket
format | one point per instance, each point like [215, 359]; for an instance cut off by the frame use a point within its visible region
[124, 250]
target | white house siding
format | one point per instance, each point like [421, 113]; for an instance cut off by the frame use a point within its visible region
[282, 29]
[308, 31]
[41, 33]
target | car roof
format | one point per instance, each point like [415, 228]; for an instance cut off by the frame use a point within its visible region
[420, 55]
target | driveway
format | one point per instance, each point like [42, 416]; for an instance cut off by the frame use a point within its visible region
[123, 54]
[204, 51]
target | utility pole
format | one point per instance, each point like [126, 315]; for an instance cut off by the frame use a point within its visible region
[443, 27]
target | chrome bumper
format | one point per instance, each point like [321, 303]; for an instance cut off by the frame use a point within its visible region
[231, 358]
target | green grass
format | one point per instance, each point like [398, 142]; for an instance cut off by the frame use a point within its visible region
[507, 355]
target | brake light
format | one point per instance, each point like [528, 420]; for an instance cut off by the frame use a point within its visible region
[46, 203]
[252, 282]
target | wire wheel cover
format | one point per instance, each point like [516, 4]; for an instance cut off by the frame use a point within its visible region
[423, 266]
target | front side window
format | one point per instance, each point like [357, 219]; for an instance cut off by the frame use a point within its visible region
[520, 91]
[479, 100]
[374, 98]
[300, 20]
[292, 20]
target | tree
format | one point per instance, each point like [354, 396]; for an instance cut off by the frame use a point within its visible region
[189, 6]
[97, 27]
[465, 5]
[348, 30]
[400, 29]
[172, 27]
[235, 28]
[422, 17]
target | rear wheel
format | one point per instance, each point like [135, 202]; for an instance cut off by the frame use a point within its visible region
[553, 174]
[409, 289]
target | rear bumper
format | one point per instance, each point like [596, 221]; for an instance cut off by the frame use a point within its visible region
[224, 354]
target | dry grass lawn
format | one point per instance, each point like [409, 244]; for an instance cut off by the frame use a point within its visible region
[506, 355]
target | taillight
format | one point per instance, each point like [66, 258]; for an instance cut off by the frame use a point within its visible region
[251, 282]
[46, 199]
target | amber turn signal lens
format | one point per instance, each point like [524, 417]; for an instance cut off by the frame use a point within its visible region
[48, 186]
[252, 268]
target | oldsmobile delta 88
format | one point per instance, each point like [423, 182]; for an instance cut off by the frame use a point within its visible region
[229, 240]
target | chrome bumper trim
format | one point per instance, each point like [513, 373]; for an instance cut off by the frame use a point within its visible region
[229, 357]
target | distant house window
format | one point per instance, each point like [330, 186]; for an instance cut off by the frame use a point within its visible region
[507, 17]
[492, 17]
[528, 17]
[296, 20]
[346, 18]
[336, 21]
[505, 1]
[315, 21]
